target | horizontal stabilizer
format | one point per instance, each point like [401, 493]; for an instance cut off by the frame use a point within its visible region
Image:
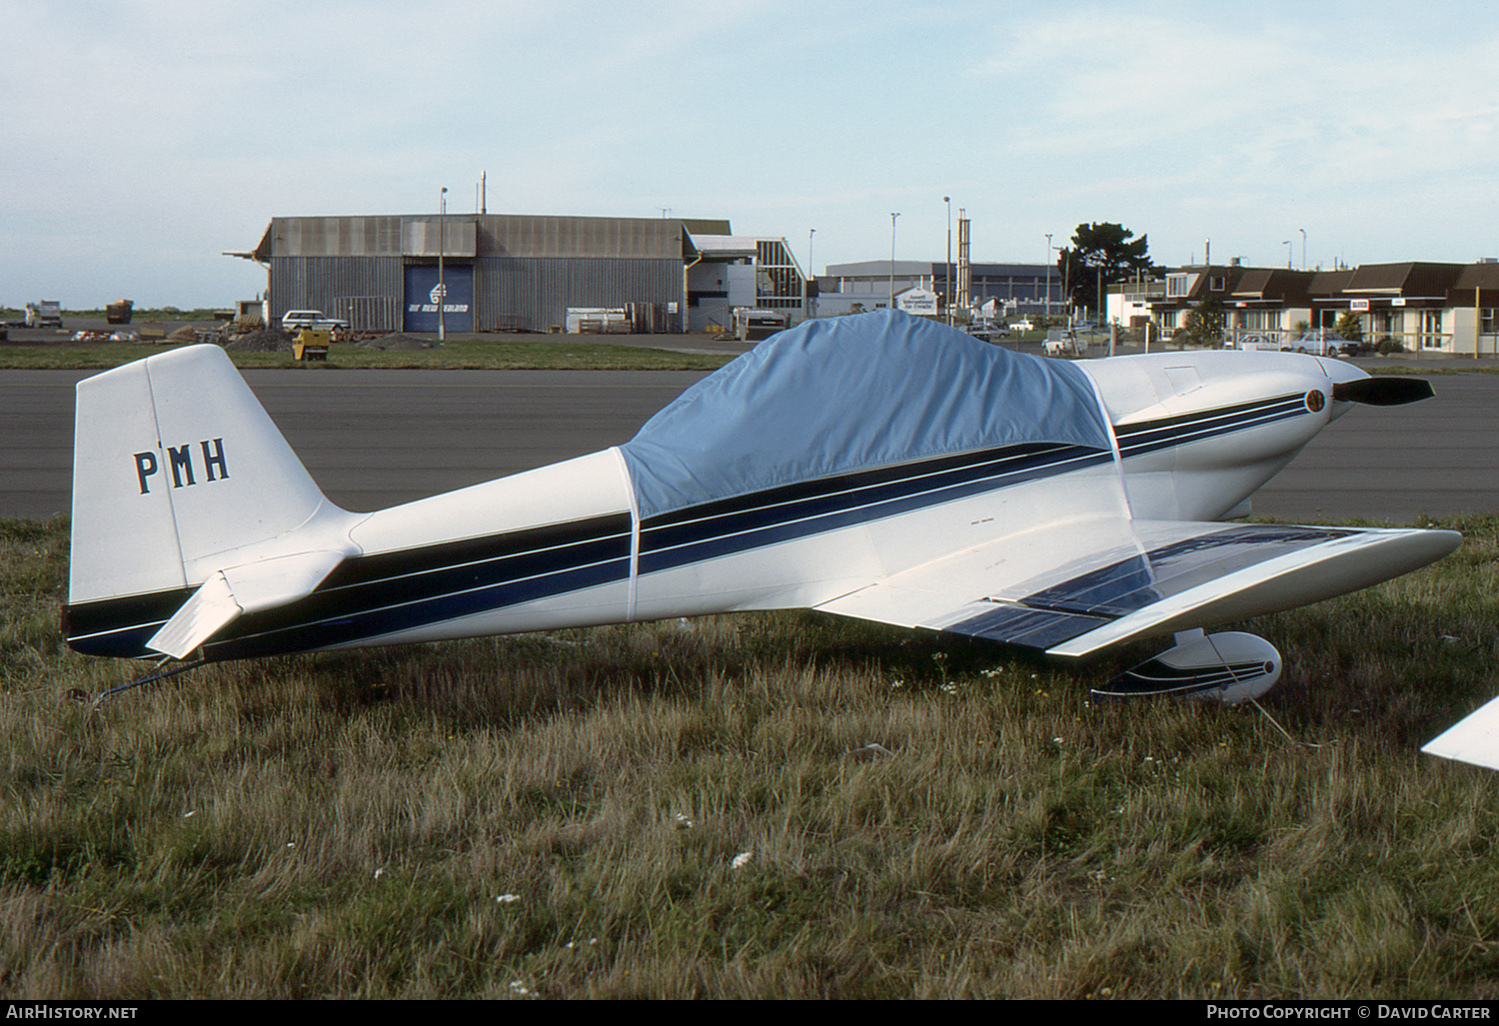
[1474, 739]
[248, 588]
[211, 608]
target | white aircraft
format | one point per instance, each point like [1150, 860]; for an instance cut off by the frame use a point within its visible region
[875, 466]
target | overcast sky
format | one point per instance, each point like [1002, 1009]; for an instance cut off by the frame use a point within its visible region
[142, 139]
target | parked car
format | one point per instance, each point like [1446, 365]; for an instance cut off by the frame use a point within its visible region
[988, 331]
[1249, 343]
[1063, 340]
[314, 319]
[1323, 343]
[1022, 325]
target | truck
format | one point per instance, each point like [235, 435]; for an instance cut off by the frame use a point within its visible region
[752, 324]
[44, 313]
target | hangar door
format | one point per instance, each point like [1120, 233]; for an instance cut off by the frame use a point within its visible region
[422, 295]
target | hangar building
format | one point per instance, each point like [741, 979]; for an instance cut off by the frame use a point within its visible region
[510, 272]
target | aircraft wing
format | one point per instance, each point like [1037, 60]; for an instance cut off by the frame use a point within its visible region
[1473, 739]
[1076, 588]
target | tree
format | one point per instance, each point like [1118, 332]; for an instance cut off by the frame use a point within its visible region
[1204, 323]
[1350, 326]
[1104, 248]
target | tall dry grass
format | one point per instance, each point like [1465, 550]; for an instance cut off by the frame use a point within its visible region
[690, 810]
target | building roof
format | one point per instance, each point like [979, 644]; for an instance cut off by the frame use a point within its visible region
[724, 245]
[880, 269]
[1482, 277]
[515, 235]
[706, 226]
[1404, 279]
[1272, 284]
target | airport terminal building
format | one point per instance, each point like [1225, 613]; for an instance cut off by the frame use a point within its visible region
[509, 272]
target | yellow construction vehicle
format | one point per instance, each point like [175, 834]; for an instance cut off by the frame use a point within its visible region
[311, 344]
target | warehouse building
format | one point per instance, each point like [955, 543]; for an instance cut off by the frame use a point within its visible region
[496, 271]
[1012, 289]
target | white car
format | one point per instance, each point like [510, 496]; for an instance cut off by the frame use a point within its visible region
[314, 319]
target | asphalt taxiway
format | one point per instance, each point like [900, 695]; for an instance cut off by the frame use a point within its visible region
[376, 438]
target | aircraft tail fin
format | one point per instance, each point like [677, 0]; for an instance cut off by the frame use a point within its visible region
[178, 473]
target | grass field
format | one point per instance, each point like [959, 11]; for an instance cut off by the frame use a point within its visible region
[688, 810]
[579, 353]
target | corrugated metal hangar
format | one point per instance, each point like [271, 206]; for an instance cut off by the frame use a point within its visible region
[501, 272]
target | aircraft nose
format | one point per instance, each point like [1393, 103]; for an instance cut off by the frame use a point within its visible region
[1351, 385]
[1340, 371]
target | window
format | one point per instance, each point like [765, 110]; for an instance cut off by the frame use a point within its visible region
[1177, 286]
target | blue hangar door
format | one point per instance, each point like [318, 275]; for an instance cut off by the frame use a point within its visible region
[422, 294]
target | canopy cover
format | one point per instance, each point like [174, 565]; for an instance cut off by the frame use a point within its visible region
[848, 394]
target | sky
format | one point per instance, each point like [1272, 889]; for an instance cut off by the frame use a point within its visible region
[144, 139]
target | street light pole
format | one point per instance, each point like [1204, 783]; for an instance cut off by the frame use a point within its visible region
[1303, 247]
[442, 243]
[893, 216]
[808, 303]
[1048, 274]
[947, 273]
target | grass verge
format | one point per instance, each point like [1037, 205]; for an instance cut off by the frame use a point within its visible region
[455, 354]
[684, 810]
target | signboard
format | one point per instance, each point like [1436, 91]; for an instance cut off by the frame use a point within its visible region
[919, 302]
[1358, 305]
[423, 294]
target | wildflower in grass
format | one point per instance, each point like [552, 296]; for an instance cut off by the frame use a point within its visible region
[683, 822]
[507, 899]
[741, 860]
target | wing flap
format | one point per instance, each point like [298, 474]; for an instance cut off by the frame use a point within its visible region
[1078, 588]
[234, 591]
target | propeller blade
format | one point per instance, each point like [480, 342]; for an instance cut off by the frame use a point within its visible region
[1383, 391]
